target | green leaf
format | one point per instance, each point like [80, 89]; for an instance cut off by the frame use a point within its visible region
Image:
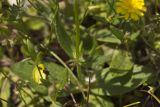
[118, 33]
[134, 35]
[98, 62]
[57, 73]
[110, 39]
[112, 84]
[24, 50]
[24, 69]
[97, 101]
[63, 38]
[107, 36]
[39, 57]
[121, 62]
[31, 49]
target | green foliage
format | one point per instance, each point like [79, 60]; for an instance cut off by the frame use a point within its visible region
[5, 92]
[121, 62]
[97, 101]
[116, 84]
[25, 68]
[1, 52]
[118, 33]
[63, 38]
[92, 56]
[108, 37]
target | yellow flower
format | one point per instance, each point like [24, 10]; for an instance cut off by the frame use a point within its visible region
[38, 73]
[131, 9]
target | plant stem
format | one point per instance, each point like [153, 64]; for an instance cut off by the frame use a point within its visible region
[21, 97]
[89, 88]
[77, 37]
[155, 97]
[70, 72]
[152, 95]
[3, 100]
[132, 104]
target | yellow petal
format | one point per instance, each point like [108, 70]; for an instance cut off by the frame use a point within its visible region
[38, 73]
[133, 9]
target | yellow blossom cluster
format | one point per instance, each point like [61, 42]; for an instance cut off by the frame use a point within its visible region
[131, 9]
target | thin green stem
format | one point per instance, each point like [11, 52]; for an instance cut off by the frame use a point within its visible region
[7, 77]
[152, 94]
[77, 37]
[21, 97]
[132, 104]
[89, 88]
[26, 93]
[3, 100]
[70, 72]
[155, 97]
